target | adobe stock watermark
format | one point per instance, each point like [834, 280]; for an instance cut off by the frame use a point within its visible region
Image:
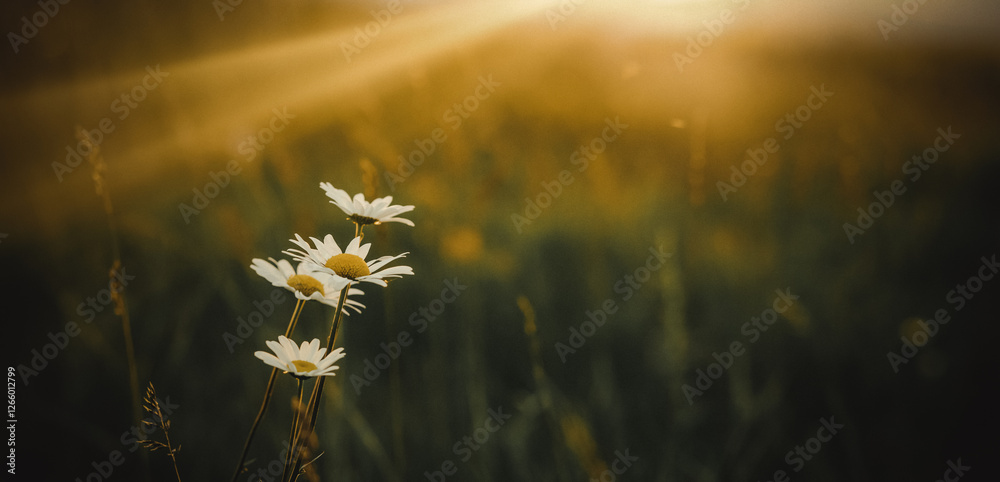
[421, 319]
[30, 27]
[955, 471]
[798, 456]
[105, 468]
[250, 147]
[59, 341]
[581, 158]
[12, 420]
[273, 469]
[752, 329]
[123, 105]
[560, 13]
[364, 37]
[627, 286]
[262, 311]
[620, 465]
[224, 7]
[714, 28]
[757, 157]
[885, 199]
[958, 297]
[454, 117]
[898, 17]
[470, 444]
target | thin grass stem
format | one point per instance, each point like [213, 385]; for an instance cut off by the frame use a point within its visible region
[96, 160]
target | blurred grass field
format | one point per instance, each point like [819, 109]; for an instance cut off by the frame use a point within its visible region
[655, 186]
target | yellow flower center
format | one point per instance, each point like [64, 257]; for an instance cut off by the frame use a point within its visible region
[349, 266]
[306, 284]
[304, 366]
[363, 220]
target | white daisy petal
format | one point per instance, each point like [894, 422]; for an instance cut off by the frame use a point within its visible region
[398, 220]
[344, 269]
[313, 282]
[374, 280]
[339, 197]
[304, 268]
[354, 247]
[291, 350]
[384, 260]
[268, 271]
[305, 351]
[284, 266]
[380, 210]
[289, 357]
[276, 347]
[315, 351]
[362, 251]
[396, 271]
[270, 360]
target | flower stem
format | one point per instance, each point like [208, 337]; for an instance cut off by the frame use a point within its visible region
[296, 411]
[267, 395]
[295, 318]
[313, 408]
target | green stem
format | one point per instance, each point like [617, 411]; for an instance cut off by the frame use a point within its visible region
[296, 411]
[312, 410]
[267, 395]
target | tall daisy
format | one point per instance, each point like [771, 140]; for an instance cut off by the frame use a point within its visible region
[301, 361]
[306, 282]
[362, 212]
[348, 265]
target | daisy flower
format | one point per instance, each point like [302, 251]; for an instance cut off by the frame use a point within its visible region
[362, 212]
[301, 361]
[307, 283]
[347, 265]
